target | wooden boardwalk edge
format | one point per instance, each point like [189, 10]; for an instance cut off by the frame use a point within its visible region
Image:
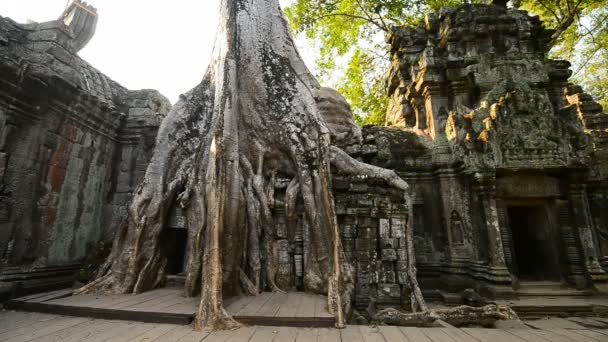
[296, 322]
[101, 313]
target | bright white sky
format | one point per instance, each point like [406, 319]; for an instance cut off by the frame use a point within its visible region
[163, 45]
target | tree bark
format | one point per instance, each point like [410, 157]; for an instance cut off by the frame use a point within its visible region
[458, 316]
[253, 117]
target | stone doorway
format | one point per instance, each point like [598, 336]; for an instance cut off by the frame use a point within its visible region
[177, 243]
[535, 253]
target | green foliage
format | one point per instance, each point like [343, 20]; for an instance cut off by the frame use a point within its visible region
[581, 37]
[350, 34]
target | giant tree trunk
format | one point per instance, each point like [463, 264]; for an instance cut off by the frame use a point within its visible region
[252, 117]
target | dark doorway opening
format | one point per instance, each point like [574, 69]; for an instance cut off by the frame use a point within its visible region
[177, 240]
[534, 247]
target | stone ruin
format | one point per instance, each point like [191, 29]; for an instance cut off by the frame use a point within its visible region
[507, 160]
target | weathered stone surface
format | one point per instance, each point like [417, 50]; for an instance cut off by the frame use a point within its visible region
[73, 143]
[493, 125]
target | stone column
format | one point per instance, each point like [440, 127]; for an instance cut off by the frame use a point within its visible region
[581, 218]
[485, 187]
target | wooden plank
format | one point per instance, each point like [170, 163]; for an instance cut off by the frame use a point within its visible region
[10, 332]
[185, 308]
[306, 308]
[252, 308]
[371, 334]
[554, 323]
[527, 334]
[591, 334]
[156, 331]
[53, 295]
[16, 319]
[551, 336]
[174, 334]
[133, 332]
[36, 295]
[601, 331]
[328, 335]
[116, 329]
[76, 332]
[414, 334]
[391, 333]
[127, 300]
[285, 334]
[588, 322]
[220, 335]
[271, 307]
[242, 335]
[351, 334]
[307, 335]
[240, 304]
[149, 304]
[158, 304]
[491, 335]
[80, 300]
[195, 336]
[572, 335]
[458, 335]
[140, 316]
[264, 334]
[290, 307]
[321, 307]
[437, 335]
[51, 327]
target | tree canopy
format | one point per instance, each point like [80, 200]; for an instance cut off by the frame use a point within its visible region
[350, 35]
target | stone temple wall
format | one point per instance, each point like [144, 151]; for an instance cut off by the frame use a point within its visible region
[483, 126]
[510, 147]
[73, 144]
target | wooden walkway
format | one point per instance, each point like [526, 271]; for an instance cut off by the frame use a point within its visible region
[38, 327]
[169, 306]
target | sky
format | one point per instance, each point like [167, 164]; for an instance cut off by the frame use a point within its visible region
[144, 44]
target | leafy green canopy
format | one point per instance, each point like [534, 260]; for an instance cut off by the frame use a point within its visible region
[581, 37]
[350, 35]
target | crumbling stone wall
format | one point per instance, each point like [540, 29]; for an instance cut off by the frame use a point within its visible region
[502, 127]
[73, 144]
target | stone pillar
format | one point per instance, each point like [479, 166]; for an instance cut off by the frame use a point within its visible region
[597, 194]
[581, 218]
[485, 187]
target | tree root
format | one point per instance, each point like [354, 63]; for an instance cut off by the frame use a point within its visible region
[458, 316]
[349, 165]
[248, 286]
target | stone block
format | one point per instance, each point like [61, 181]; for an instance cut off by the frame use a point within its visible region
[281, 230]
[389, 293]
[340, 184]
[369, 149]
[386, 277]
[401, 277]
[283, 276]
[362, 244]
[401, 266]
[365, 233]
[389, 243]
[363, 256]
[384, 228]
[389, 255]
[282, 247]
[398, 227]
[402, 254]
[358, 187]
[348, 231]
[348, 245]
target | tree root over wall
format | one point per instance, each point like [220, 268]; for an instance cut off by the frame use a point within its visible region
[253, 118]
